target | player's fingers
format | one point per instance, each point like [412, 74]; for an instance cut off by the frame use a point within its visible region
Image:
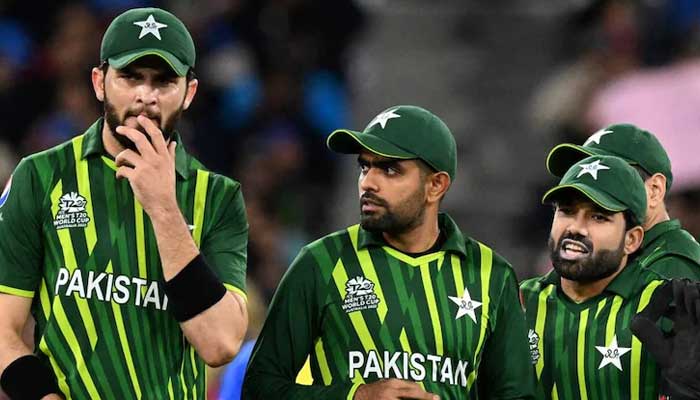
[142, 144]
[652, 338]
[128, 158]
[679, 297]
[171, 149]
[659, 303]
[124, 172]
[417, 393]
[690, 295]
[154, 132]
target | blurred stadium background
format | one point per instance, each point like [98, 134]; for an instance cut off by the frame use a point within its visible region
[510, 77]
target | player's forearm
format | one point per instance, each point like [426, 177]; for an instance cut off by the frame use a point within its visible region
[218, 332]
[13, 347]
[175, 244]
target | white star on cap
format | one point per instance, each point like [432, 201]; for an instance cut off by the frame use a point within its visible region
[150, 25]
[466, 305]
[596, 136]
[592, 169]
[612, 354]
[382, 118]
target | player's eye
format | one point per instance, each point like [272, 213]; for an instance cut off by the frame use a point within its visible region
[363, 167]
[565, 210]
[600, 217]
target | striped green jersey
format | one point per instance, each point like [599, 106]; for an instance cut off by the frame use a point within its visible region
[73, 239]
[670, 251]
[586, 350]
[362, 311]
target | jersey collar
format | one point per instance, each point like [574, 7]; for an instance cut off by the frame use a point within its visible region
[454, 238]
[92, 145]
[659, 229]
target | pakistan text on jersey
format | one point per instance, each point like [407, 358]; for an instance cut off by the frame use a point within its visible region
[110, 287]
[403, 365]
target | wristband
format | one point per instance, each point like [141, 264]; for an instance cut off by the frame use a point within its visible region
[193, 290]
[27, 378]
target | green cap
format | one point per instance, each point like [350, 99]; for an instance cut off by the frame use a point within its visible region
[608, 181]
[141, 32]
[634, 145]
[402, 132]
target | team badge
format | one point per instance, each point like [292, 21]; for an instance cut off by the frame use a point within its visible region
[359, 295]
[592, 169]
[71, 212]
[533, 339]
[6, 192]
[150, 26]
[466, 305]
[612, 354]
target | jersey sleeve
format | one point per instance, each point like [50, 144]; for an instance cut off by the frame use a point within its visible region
[20, 233]
[225, 246]
[287, 338]
[506, 371]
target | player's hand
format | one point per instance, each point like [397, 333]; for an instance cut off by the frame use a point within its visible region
[678, 354]
[52, 397]
[151, 171]
[393, 389]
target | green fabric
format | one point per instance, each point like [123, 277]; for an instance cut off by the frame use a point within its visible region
[148, 31]
[312, 315]
[73, 239]
[608, 181]
[402, 132]
[565, 336]
[626, 141]
[670, 251]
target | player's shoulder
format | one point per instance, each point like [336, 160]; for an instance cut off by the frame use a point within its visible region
[681, 243]
[217, 183]
[53, 152]
[333, 243]
[482, 252]
[327, 250]
[47, 165]
[533, 285]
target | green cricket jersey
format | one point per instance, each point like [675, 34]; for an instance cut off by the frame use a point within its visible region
[670, 251]
[73, 239]
[363, 311]
[586, 350]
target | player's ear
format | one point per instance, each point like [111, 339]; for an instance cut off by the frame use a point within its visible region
[191, 91]
[656, 190]
[98, 83]
[437, 185]
[633, 239]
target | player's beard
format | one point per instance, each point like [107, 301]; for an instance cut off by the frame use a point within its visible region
[113, 121]
[596, 266]
[393, 220]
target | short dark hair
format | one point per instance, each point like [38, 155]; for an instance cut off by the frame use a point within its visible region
[643, 173]
[630, 220]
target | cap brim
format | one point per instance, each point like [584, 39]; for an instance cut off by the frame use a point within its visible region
[351, 142]
[603, 200]
[564, 155]
[124, 59]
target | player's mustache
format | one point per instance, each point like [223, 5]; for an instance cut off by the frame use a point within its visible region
[149, 114]
[577, 237]
[369, 197]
